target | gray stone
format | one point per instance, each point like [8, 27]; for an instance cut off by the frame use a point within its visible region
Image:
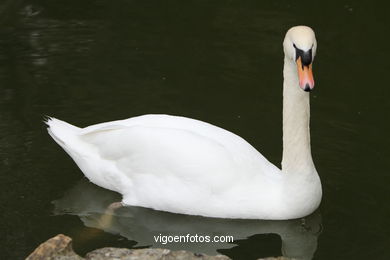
[110, 253]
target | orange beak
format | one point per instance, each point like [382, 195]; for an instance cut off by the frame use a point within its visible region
[305, 76]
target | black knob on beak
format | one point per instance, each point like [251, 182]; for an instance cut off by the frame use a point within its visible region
[306, 56]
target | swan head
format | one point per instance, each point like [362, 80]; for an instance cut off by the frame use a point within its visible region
[300, 46]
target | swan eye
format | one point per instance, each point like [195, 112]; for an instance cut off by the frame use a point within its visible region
[295, 46]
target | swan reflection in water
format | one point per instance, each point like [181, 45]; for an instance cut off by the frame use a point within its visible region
[95, 208]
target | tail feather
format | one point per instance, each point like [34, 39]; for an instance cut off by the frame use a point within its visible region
[62, 132]
[70, 138]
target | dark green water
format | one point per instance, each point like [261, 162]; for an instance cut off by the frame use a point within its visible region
[219, 61]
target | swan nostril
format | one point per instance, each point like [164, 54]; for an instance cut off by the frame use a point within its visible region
[307, 88]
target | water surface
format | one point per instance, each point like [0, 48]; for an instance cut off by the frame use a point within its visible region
[221, 61]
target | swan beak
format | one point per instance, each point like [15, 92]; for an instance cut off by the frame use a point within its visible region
[305, 75]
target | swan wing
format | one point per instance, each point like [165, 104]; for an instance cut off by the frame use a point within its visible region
[169, 162]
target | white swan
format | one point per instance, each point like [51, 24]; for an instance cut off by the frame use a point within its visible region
[187, 166]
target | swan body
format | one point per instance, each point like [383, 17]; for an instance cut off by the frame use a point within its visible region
[187, 166]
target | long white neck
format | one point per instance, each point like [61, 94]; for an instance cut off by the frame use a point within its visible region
[296, 119]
